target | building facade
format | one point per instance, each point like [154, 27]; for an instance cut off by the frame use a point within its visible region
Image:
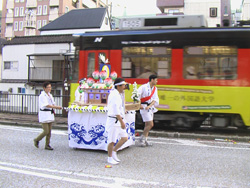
[49, 56]
[26, 17]
[245, 9]
[216, 12]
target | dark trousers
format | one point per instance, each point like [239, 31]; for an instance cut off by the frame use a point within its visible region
[46, 132]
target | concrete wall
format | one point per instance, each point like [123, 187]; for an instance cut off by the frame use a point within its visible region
[246, 10]
[195, 7]
[19, 53]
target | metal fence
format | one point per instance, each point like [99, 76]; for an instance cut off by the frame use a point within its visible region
[26, 103]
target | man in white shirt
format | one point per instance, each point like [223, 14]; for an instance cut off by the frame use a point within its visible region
[115, 124]
[149, 98]
[46, 115]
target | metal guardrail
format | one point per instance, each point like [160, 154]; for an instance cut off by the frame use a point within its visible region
[26, 103]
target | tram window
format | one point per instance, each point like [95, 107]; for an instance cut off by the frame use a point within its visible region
[210, 62]
[91, 64]
[141, 62]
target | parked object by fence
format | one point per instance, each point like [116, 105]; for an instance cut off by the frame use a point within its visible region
[26, 103]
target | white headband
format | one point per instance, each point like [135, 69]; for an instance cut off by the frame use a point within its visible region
[120, 83]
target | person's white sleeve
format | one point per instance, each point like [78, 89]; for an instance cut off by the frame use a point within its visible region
[155, 97]
[116, 104]
[43, 102]
[140, 89]
[53, 101]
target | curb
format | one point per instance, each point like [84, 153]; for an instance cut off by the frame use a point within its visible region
[34, 125]
[199, 136]
[152, 133]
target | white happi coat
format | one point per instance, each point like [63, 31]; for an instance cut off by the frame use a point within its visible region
[116, 106]
[44, 100]
[145, 91]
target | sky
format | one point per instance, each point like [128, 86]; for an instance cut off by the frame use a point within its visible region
[146, 7]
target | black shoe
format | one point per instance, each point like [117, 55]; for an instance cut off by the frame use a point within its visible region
[48, 147]
[36, 143]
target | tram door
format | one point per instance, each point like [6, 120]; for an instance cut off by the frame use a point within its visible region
[96, 60]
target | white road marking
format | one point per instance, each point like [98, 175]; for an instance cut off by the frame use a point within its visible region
[48, 176]
[190, 143]
[116, 182]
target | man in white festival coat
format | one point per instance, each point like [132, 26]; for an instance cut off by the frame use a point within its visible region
[149, 98]
[115, 124]
[46, 115]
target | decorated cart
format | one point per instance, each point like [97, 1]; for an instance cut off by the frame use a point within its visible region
[87, 116]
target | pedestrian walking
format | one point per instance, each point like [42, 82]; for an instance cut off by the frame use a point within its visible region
[149, 98]
[115, 121]
[46, 115]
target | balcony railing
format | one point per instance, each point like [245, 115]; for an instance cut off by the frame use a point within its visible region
[54, 3]
[9, 32]
[53, 14]
[89, 3]
[47, 73]
[9, 18]
[31, 4]
[30, 24]
[170, 3]
[10, 4]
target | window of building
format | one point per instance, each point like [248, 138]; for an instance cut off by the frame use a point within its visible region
[210, 62]
[15, 26]
[21, 11]
[225, 11]
[10, 65]
[39, 24]
[38, 91]
[141, 62]
[21, 90]
[54, 92]
[213, 12]
[21, 0]
[21, 26]
[57, 92]
[6, 65]
[45, 9]
[173, 11]
[16, 1]
[16, 11]
[44, 22]
[39, 10]
[91, 64]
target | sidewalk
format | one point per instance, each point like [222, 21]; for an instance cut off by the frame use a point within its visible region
[26, 120]
[61, 123]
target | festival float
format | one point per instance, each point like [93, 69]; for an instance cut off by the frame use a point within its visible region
[88, 114]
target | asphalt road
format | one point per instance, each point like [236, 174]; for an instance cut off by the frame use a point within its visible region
[170, 162]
